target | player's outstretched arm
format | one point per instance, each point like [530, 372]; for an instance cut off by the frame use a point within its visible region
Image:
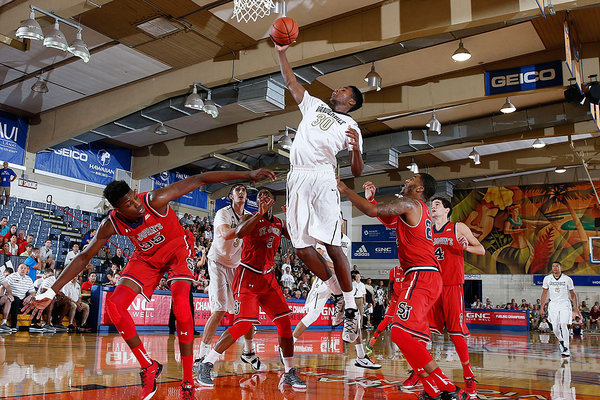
[249, 221]
[468, 241]
[292, 84]
[356, 161]
[159, 198]
[370, 189]
[41, 301]
[396, 208]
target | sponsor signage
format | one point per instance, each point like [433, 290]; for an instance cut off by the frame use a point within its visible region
[578, 280]
[378, 233]
[13, 138]
[197, 198]
[27, 183]
[524, 78]
[250, 206]
[374, 250]
[94, 163]
[497, 319]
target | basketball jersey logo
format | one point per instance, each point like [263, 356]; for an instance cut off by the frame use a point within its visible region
[191, 263]
[236, 307]
[403, 311]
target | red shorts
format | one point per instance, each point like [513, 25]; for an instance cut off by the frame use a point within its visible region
[251, 290]
[420, 290]
[391, 308]
[146, 272]
[449, 311]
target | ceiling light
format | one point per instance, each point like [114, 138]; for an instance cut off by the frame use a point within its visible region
[538, 144]
[56, 39]
[210, 107]
[161, 129]
[285, 142]
[508, 107]
[473, 154]
[194, 101]
[560, 170]
[30, 29]
[461, 54]
[79, 49]
[413, 167]
[434, 125]
[477, 159]
[40, 86]
[373, 79]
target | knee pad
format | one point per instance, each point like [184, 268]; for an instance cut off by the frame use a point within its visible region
[116, 308]
[239, 329]
[181, 309]
[284, 327]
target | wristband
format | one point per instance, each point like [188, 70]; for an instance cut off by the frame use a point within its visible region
[48, 294]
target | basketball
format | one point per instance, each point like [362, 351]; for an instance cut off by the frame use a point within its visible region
[284, 31]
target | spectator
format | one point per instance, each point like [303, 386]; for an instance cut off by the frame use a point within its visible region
[87, 285]
[42, 284]
[576, 326]
[72, 254]
[304, 294]
[544, 327]
[110, 273]
[28, 251]
[87, 238]
[369, 296]
[34, 263]
[379, 308]
[584, 308]
[23, 245]
[6, 249]
[208, 233]
[488, 303]
[20, 291]
[20, 237]
[118, 258]
[114, 279]
[524, 305]
[535, 317]
[359, 291]
[5, 303]
[13, 247]
[11, 231]
[46, 254]
[594, 315]
[287, 279]
[286, 293]
[477, 304]
[297, 295]
[162, 285]
[4, 226]
[73, 304]
[7, 176]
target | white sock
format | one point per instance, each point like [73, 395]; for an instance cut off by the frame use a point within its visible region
[333, 285]
[204, 349]
[212, 357]
[349, 300]
[288, 363]
[360, 351]
[248, 346]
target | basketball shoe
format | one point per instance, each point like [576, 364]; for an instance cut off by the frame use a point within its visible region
[203, 371]
[471, 387]
[187, 391]
[338, 310]
[149, 376]
[458, 394]
[351, 325]
[252, 359]
[292, 379]
[411, 381]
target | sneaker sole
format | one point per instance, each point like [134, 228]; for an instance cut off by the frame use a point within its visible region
[202, 384]
[160, 368]
[409, 387]
[367, 366]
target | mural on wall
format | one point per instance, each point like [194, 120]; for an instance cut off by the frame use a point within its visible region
[524, 228]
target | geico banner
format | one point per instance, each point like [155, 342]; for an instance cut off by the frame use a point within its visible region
[196, 198]
[519, 79]
[497, 317]
[378, 233]
[95, 162]
[251, 205]
[374, 250]
[13, 138]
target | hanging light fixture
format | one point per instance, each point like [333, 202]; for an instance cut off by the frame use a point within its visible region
[194, 101]
[560, 170]
[373, 79]
[434, 125]
[508, 107]
[473, 154]
[56, 39]
[79, 49]
[285, 142]
[40, 85]
[413, 167]
[30, 29]
[161, 129]
[461, 54]
[477, 159]
[210, 107]
[538, 144]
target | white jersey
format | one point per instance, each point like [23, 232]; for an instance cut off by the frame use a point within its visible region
[558, 289]
[226, 252]
[321, 134]
[345, 248]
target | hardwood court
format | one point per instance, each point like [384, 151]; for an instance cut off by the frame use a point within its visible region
[88, 366]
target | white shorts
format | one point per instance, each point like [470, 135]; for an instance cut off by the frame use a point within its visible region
[313, 206]
[315, 302]
[220, 293]
[559, 314]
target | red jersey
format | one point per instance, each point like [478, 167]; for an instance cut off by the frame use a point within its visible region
[154, 234]
[260, 246]
[415, 243]
[396, 277]
[449, 253]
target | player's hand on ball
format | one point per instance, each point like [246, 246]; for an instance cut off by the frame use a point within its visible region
[370, 190]
[262, 174]
[264, 205]
[463, 241]
[280, 48]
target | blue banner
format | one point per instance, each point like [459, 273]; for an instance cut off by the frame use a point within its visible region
[95, 162]
[578, 280]
[13, 138]
[250, 206]
[378, 233]
[197, 198]
[519, 79]
[374, 250]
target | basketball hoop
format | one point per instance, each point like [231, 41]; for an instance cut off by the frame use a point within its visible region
[246, 10]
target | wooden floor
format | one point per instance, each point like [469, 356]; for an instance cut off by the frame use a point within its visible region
[88, 366]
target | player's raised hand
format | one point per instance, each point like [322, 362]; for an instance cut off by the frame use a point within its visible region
[262, 174]
[370, 190]
[280, 48]
[284, 209]
[264, 205]
[352, 135]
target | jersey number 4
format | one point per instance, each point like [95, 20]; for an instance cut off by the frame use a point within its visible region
[152, 242]
[439, 253]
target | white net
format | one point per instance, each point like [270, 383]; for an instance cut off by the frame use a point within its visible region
[251, 10]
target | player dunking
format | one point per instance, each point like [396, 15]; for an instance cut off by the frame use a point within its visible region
[559, 289]
[313, 203]
[255, 284]
[422, 284]
[161, 246]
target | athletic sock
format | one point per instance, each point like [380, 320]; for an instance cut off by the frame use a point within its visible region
[248, 346]
[442, 381]
[429, 384]
[288, 363]
[204, 349]
[360, 351]
[4, 321]
[467, 370]
[349, 300]
[212, 357]
[333, 285]
[187, 362]
[140, 354]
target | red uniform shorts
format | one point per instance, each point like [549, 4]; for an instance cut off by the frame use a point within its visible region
[449, 311]
[250, 290]
[146, 272]
[420, 289]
